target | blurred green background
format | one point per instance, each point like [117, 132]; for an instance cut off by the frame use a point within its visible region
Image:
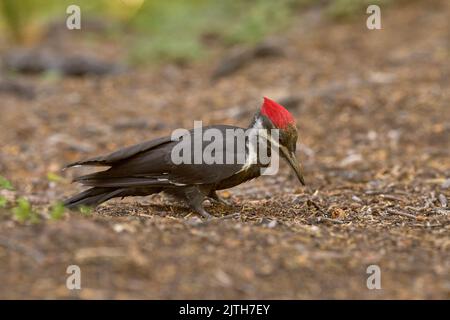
[170, 30]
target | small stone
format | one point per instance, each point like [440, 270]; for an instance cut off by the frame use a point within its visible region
[443, 200]
[194, 221]
[224, 278]
[121, 227]
[351, 159]
[446, 184]
[272, 224]
[118, 228]
[338, 213]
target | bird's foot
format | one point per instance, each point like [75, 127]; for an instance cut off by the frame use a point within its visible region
[195, 199]
[215, 197]
[206, 215]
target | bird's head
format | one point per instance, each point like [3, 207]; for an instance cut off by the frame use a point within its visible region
[274, 116]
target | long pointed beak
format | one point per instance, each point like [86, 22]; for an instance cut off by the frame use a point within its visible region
[294, 163]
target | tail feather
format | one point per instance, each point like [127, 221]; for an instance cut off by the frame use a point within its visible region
[96, 195]
[92, 197]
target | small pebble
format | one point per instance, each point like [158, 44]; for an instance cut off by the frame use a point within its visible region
[446, 184]
[443, 200]
[194, 221]
[272, 224]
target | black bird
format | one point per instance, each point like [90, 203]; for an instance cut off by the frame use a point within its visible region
[149, 167]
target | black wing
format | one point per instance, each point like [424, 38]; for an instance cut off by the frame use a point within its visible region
[121, 154]
[150, 164]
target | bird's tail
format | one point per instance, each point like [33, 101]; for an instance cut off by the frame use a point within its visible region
[93, 197]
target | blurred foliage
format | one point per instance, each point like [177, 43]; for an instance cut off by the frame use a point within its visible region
[16, 14]
[23, 211]
[175, 29]
[346, 9]
[53, 177]
[57, 211]
[5, 184]
[3, 202]
[85, 210]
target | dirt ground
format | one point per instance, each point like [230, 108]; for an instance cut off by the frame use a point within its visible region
[373, 115]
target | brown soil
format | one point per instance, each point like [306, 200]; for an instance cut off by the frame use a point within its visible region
[375, 125]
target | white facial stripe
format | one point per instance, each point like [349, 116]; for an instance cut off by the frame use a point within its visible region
[252, 156]
[252, 148]
[263, 134]
[258, 125]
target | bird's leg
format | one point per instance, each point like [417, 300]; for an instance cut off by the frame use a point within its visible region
[214, 196]
[195, 200]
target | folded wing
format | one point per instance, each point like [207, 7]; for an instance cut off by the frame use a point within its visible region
[149, 164]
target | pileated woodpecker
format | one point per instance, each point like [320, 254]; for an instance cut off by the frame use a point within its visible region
[148, 167]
